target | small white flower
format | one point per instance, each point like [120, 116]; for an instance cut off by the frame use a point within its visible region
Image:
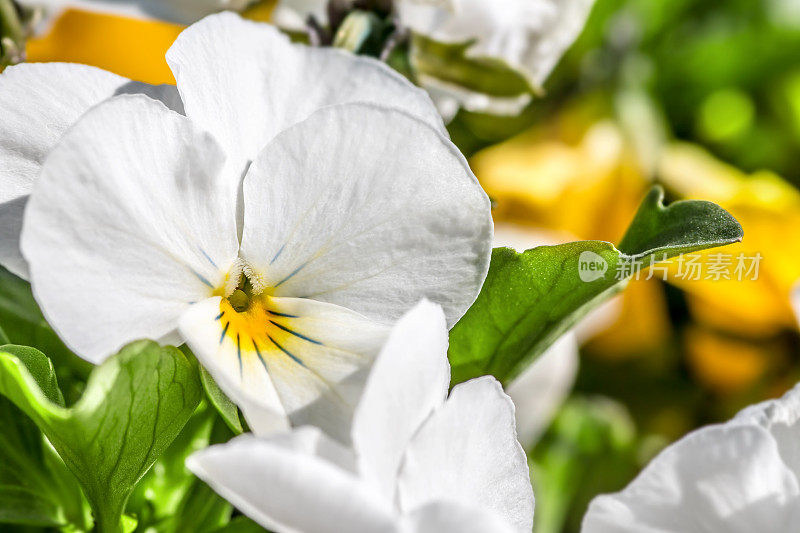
[528, 35]
[738, 477]
[421, 461]
[274, 227]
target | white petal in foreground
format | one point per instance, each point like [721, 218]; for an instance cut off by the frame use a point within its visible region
[259, 83]
[129, 225]
[38, 102]
[463, 469]
[284, 485]
[739, 477]
[468, 452]
[407, 383]
[368, 208]
[286, 359]
[450, 517]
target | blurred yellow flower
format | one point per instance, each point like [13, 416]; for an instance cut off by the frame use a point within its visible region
[130, 47]
[769, 210]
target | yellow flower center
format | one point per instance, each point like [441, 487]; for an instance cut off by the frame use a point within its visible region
[253, 320]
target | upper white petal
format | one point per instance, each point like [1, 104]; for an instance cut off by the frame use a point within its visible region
[127, 226]
[368, 208]
[290, 484]
[245, 82]
[38, 102]
[468, 452]
[408, 381]
[721, 478]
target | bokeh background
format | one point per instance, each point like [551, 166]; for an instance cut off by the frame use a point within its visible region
[701, 97]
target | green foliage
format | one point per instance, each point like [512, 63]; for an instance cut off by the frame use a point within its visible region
[134, 406]
[590, 448]
[530, 299]
[169, 498]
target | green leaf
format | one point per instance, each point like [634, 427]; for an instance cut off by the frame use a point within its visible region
[451, 63]
[530, 299]
[135, 404]
[682, 227]
[35, 486]
[168, 498]
[226, 408]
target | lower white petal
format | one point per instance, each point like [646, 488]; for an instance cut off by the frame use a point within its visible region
[468, 452]
[450, 517]
[284, 485]
[408, 381]
[722, 478]
[781, 418]
[286, 359]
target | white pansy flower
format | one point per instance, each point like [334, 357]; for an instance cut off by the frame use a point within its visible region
[738, 477]
[421, 461]
[528, 35]
[274, 227]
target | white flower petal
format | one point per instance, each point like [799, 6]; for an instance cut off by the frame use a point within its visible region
[450, 517]
[408, 381]
[722, 478]
[127, 226]
[468, 452]
[541, 388]
[531, 35]
[38, 102]
[282, 484]
[367, 208]
[781, 418]
[286, 355]
[245, 82]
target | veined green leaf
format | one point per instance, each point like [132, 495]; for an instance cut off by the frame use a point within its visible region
[134, 406]
[530, 299]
